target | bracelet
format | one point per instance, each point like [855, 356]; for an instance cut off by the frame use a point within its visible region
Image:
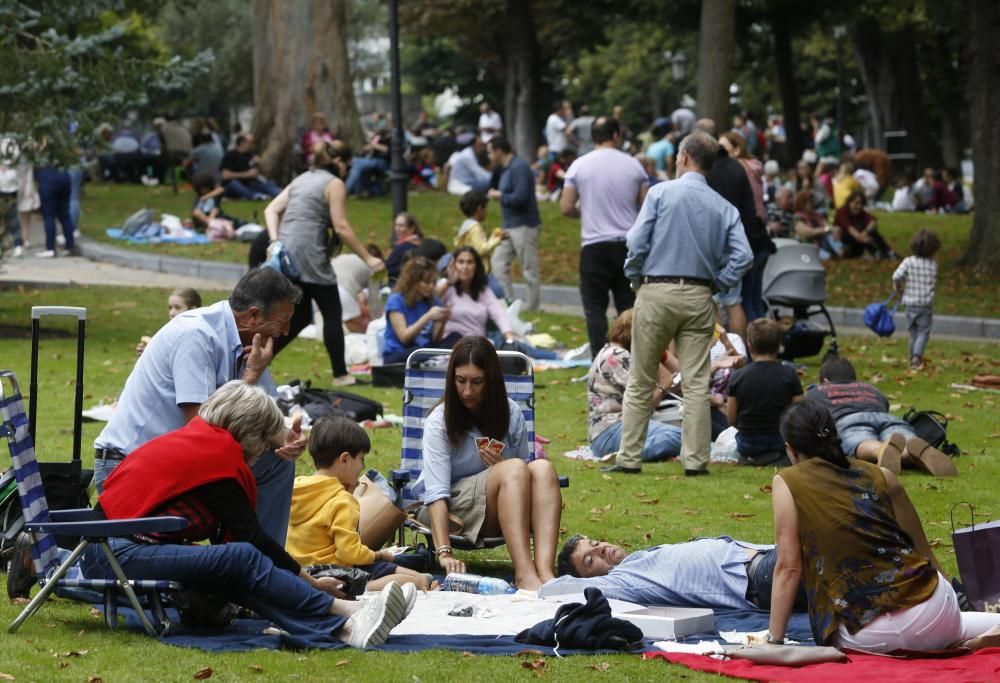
[774, 641]
[443, 550]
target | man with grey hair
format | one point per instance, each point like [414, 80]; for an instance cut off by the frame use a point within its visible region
[192, 355]
[686, 243]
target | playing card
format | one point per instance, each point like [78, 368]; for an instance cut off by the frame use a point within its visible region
[495, 446]
[482, 442]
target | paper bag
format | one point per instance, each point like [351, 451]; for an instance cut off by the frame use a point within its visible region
[977, 550]
[380, 518]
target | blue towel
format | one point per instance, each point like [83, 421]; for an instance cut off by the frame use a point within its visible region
[247, 634]
[116, 233]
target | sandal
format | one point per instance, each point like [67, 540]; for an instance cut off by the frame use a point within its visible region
[929, 459]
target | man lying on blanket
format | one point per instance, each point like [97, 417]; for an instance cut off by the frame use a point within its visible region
[707, 572]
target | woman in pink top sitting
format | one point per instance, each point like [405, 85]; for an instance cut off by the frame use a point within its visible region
[472, 304]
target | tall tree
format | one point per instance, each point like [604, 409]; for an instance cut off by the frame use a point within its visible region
[890, 70]
[521, 83]
[785, 67]
[715, 56]
[300, 67]
[983, 250]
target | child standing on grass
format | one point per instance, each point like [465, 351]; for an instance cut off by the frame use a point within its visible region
[915, 279]
[323, 525]
[760, 392]
[472, 234]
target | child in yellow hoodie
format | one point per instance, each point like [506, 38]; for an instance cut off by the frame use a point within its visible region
[323, 525]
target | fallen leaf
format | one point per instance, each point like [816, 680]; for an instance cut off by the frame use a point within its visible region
[6, 677]
[468, 654]
[536, 665]
[75, 653]
[607, 477]
[63, 663]
[202, 674]
[20, 601]
[342, 662]
[95, 679]
[529, 653]
[80, 634]
[600, 666]
[747, 496]
[256, 667]
[742, 515]
[766, 488]
[96, 613]
[649, 501]
[647, 537]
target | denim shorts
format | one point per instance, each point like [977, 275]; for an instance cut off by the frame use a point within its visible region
[730, 297]
[854, 429]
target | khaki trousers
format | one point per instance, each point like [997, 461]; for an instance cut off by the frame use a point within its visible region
[666, 312]
[523, 244]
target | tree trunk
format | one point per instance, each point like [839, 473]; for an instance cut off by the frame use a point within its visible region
[300, 67]
[889, 69]
[715, 57]
[983, 250]
[521, 83]
[785, 66]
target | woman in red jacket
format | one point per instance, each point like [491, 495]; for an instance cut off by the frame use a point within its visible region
[202, 472]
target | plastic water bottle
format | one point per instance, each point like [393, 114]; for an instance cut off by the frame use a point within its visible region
[473, 583]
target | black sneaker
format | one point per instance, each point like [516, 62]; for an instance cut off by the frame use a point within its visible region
[21, 572]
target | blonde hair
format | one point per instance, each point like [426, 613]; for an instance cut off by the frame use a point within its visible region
[246, 412]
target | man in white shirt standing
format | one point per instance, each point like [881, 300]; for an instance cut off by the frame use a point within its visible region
[490, 122]
[555, 128]
[610, 186]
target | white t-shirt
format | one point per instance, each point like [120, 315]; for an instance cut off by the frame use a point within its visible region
[490, 120]
[555, 133]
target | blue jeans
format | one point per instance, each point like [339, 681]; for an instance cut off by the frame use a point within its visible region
[663, 441]
[365, 174]
[274, 476]
[760, 581]
[920, 318]
[54, 190]
[249, 189]
[523, 347]
[76, 184]
[869, 426]
[750, 445]
[753, 288]
[237, 572]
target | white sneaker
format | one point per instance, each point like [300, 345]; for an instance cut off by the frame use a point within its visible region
[582, 352]
[60, 239]
[344, 381]
[48, 253]
[18, 251]
[379, 614]
[410, 595]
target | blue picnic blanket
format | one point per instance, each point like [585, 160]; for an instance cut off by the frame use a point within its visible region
[153, 238]
[247, 634]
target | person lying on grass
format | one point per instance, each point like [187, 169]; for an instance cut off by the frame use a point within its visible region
[202, 472]
[323, 527]
[708, 572]
[847, 530]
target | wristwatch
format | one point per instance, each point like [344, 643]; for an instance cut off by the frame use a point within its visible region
[774, 641]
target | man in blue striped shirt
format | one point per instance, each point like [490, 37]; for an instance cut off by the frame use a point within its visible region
[719, 573]
[686, 243]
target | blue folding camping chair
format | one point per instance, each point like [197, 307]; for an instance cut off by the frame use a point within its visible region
[42, 525]
[423, 387]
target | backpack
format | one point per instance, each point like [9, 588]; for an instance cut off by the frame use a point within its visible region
[323, 402]
[878, 317]
[932, 427]
[134, 224]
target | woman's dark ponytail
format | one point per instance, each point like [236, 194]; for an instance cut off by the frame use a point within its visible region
[809, 428]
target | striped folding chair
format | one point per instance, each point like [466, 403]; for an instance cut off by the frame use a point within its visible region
[422, 389]
[54, 569]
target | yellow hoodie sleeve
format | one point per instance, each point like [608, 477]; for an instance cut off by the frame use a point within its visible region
[476, 238]
[344, 532]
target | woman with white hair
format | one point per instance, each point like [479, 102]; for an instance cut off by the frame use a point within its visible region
[202, 472]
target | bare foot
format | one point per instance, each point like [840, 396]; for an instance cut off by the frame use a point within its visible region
[989, 639]
[528, 583]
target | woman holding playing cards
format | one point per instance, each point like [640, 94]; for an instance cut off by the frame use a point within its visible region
[476, 469]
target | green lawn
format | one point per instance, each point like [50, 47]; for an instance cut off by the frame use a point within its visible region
[66, 642]
[852, 283]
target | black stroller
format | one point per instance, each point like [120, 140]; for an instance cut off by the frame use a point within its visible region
[795, 280]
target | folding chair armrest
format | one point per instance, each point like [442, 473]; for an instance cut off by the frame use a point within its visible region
[75, 515]
[399, 478]
[563, 482]
[110, 527]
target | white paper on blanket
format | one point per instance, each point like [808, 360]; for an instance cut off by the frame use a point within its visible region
[511, 614]
[750, 638]
[710, 648]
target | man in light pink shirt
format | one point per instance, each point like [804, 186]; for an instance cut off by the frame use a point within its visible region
[610, 186]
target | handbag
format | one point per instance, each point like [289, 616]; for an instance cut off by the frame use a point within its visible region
[932, 427]
[354, 579]
[380, 518]
[281, 260]
[977, 552]
[878, 317]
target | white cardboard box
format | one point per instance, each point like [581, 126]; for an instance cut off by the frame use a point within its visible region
[664, 623]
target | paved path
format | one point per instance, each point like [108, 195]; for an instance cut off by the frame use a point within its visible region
[110, 265]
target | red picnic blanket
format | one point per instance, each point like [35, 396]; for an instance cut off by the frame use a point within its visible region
[982, 665]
